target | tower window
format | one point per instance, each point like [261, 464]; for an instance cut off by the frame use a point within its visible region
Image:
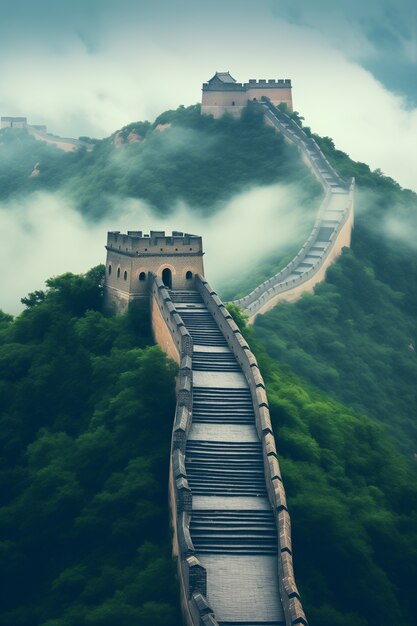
[189, 275]
[142, 276]
[109, 270]
[118, 272]
[125, 275]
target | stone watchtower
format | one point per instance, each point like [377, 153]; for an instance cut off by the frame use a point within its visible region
[223, 94]
[131, 257]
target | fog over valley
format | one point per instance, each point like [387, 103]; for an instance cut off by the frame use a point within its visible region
[52, 237]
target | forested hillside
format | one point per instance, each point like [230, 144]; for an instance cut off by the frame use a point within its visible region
[85, 427]
[352, 499]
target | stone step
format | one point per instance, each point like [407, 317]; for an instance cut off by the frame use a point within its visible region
[240, 623]
[234, 532]
[218, 419]
[181, 295]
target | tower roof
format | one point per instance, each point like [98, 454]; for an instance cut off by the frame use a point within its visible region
[223, 77]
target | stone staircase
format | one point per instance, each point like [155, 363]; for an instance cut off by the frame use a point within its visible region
[232, 523]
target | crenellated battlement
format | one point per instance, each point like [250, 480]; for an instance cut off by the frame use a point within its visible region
[136, 243]
[271, 83]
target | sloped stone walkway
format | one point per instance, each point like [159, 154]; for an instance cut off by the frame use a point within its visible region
[232, 524]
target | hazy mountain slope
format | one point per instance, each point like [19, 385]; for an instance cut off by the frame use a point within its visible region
[177, 158]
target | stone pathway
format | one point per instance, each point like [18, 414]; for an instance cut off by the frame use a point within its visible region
[232, 524]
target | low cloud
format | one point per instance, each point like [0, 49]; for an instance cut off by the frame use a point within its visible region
[401, 228]
[44, 235]
[396, 223]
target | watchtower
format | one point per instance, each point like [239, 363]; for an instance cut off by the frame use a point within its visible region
[132, 256]
[223, 94]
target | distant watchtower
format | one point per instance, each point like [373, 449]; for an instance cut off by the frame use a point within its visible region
[222, 94]
[13, 122]
[131, 257]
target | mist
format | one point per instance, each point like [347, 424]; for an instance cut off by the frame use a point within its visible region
[397, 225]
[44, 235]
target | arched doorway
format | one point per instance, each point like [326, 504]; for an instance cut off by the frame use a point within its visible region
[167, 277]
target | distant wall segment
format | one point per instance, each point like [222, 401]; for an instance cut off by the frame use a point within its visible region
[331, 231]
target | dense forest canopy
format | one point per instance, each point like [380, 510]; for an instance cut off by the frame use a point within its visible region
[86, 416]
[87, 400]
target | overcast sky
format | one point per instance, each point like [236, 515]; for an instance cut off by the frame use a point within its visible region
[88, 67]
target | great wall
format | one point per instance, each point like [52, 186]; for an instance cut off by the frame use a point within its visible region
[331, 231]
[232, 529]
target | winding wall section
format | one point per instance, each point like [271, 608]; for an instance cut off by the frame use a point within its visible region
[231, 524]
[331, 231]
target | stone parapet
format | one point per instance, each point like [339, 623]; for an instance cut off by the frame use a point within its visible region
[281, 83]
[177, 342]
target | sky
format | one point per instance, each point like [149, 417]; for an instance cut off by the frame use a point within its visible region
[88, 67]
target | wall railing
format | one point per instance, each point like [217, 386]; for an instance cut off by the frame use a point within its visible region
[192, 575]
